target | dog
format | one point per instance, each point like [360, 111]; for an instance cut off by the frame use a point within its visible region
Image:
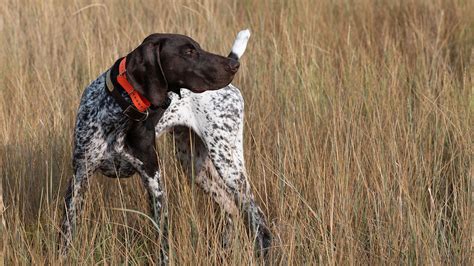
[167, 84]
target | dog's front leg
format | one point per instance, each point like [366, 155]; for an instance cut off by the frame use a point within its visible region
[151, 178]
[73, 203]
[140, 152]
[156, 194]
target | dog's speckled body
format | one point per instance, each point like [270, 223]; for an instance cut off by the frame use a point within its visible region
[108, 141]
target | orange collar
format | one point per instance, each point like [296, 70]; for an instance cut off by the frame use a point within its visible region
[140, 102]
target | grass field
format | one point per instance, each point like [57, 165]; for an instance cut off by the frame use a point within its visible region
[358, 130]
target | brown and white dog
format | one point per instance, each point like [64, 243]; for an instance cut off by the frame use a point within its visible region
[167, 84]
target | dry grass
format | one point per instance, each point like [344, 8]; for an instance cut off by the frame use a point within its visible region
[358, 133]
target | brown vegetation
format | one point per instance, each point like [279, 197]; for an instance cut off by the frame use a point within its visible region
[358, 132]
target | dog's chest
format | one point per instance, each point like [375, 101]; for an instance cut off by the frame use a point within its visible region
[116, 167]
[114, 163]
[101, 126]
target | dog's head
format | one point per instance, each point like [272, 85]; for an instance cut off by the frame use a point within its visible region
[168, 62]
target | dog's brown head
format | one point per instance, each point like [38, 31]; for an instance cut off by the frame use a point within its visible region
[168, 62]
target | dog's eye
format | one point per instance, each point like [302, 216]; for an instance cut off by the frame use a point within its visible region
[189, 51]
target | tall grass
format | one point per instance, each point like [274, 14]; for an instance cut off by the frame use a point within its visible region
[358, 130]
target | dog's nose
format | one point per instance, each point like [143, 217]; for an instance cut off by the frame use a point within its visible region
[233, 66]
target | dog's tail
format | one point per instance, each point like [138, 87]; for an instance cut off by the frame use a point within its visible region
[240, 44]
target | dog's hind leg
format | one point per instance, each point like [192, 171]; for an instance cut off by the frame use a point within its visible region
[230, 168]
[193, 156]
[224, 136]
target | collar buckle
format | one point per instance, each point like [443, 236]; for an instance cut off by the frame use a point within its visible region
[132, 113]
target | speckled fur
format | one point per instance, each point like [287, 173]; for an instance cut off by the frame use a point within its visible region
[100, 145]
[214, 119]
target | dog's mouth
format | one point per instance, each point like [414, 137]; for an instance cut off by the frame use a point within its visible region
[216, 84]
[202, 84]
[178, 91]
[198, 90]
[205, 88]
[201, 90]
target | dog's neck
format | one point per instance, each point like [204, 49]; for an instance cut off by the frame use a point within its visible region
[138, 100]
[136, 107]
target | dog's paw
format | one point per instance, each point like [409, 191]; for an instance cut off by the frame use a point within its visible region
[263, 241]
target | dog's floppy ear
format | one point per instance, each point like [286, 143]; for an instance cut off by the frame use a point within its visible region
[145, 74]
